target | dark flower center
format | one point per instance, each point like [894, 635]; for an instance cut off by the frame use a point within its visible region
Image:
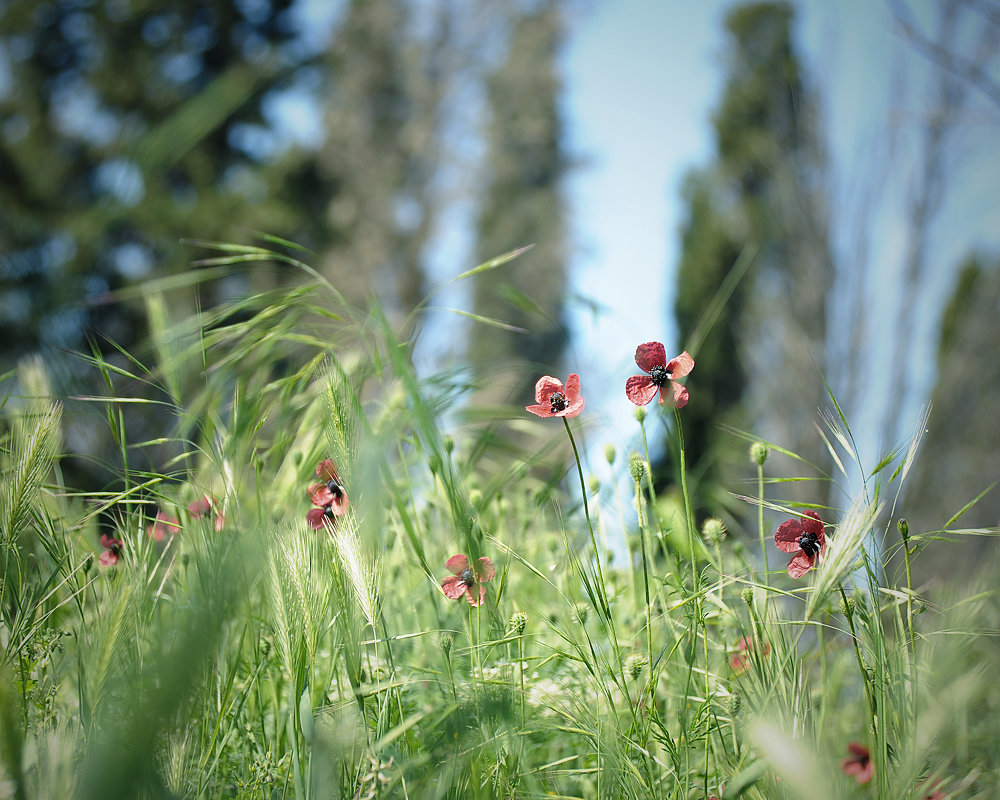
[467, 577]
[809, 543]
[660, 376]
[558, 401]
[335, 489]
[328, 511]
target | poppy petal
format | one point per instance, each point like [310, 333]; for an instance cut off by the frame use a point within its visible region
[681, 365]
[456, 564]
[800, 565]
[469, 593]
[540, 410]
[572, 387]
[320, 494]
[811, 523]
[339, 503]
[786, 538]
[108, 558]
[327, 471]
[546, 387]
[573, 409]
[640, 389]
[487, 570]
[649, 355]
[453, 587]
[315, 518]
[680, 394]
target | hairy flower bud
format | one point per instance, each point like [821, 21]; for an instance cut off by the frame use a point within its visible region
[758, 453]
[594, 484]
[735, 703]
[445, 641]
[904, 528]
[636, 466]
[518, 622]
[610, 453]
[634, 666]
[580, 613]
[748, 595]
[640, 414]
[848, 606]
[713, 530]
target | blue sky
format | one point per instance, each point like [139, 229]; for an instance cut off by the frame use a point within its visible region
[642, 79]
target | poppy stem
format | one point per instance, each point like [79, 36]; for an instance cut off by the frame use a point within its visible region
[586, 511]
[760, 527]
[857, 653]
[688, 512]
[645, 583]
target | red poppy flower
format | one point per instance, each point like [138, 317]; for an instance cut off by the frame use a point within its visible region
[552, 399]
[330, 496]
[652, 358]
[112, 550]
[163, 525]
[466, 581]
[859, 763]
[740, 661]
[204, 507]
[806, 538]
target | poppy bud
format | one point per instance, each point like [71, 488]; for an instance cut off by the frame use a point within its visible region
[445, 641]
[636, 466]
[747, 595]
[904, 528]
[640, 414]
[758, 453]
[610, 453]
[634, 665]
[713, 530]
[848, 605]
[594, 484]
[518, 622]
[449, 444]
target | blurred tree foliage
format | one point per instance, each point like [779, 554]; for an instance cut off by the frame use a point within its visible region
[129, 126]
[960, 452]
[761, 354]
[521, 204]
[383, 140]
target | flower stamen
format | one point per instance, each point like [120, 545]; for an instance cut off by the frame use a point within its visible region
[660, 376]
